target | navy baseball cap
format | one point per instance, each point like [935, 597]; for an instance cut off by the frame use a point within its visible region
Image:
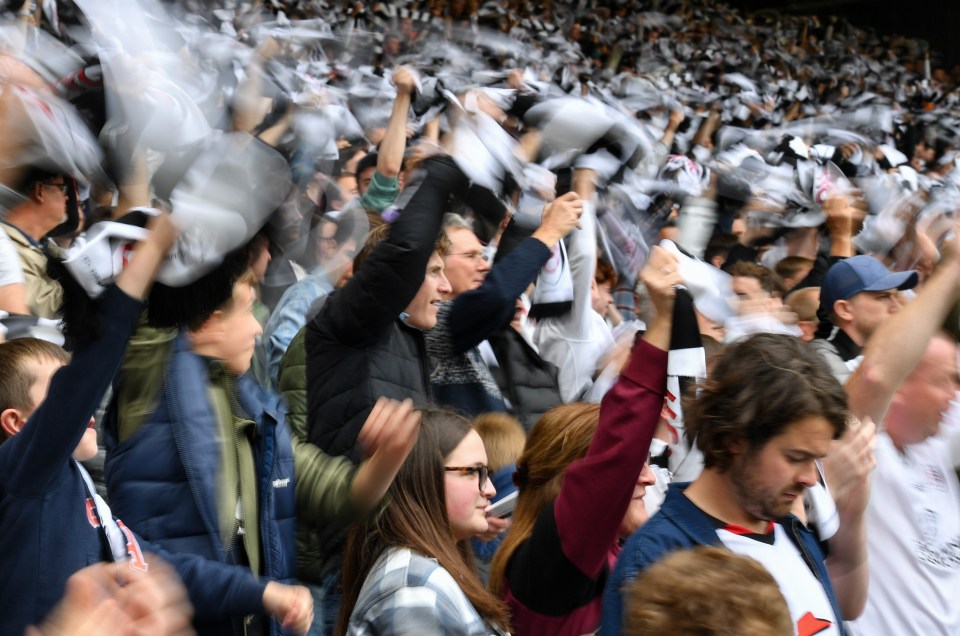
[861, 273]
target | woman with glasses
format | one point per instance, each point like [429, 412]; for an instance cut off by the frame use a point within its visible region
[410, 570]
[582, 480]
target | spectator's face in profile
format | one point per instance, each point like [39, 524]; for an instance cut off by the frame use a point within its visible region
[42, 371]
[601, 297]
[465, 266]
[53, 195]
[238, 330]
[364, 179]
[870, 309]
[925, 395]
[465, 501]
[422, 310]
[637, 510]
[766, 482]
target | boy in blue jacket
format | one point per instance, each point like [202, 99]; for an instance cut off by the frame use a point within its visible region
[52, 523]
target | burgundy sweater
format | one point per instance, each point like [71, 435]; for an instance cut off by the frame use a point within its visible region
[555, 579]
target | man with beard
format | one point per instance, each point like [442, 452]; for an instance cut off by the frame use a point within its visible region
[769, 410]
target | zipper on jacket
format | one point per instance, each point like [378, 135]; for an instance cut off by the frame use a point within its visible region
[812, 564]
[173, 380]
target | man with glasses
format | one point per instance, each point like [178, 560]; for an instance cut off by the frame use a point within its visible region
[43, 208]
[482, 301]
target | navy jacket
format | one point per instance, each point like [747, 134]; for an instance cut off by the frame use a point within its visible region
[45, 533]
[680, 524]
[459, 377]
[163, 478]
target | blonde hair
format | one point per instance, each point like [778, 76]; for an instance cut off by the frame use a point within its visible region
[706, 591]
[562, 436]
[503, 438]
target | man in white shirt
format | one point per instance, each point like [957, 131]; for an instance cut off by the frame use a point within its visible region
[906, 382]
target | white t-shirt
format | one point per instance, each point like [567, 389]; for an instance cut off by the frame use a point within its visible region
[576, 350]
[913, 538]
[809, 604]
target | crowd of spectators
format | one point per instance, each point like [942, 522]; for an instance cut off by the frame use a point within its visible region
[531, 317]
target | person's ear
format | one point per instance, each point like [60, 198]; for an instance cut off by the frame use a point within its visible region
[36, 191]
[11, 422]
[843, 310]
[210, 332]
[738, 447]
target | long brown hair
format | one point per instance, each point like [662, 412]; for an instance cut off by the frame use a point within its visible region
[559, 438]
[416, 518]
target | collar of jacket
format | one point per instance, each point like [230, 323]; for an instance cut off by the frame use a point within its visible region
[846, 348]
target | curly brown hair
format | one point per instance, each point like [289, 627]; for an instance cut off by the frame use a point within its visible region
[758, 387]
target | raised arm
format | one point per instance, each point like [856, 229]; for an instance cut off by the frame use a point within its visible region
[597, 489]
[38, 451]
[847, 468]
[478, 313]
[138, 275]
[390, 154]
[897, 346]
[250, 105]
[582, 251]
[332, 487]
[393, 272]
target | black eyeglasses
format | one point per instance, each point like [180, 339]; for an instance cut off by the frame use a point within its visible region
[62, 187]
[482, 471]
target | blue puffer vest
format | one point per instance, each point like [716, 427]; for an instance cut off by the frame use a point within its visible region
[162, 480]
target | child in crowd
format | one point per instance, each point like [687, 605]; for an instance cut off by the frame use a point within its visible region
[53, 522]
[201, 458]
[706, 591]
[503, 438]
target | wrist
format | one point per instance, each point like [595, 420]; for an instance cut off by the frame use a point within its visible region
[841, 246]
[546, 236]
[658, 332]
[270, 601]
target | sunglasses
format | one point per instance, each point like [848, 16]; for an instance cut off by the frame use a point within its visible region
[483, 472]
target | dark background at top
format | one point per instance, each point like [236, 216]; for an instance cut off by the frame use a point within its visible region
[936, 21]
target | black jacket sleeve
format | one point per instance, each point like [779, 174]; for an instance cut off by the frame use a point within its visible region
[361, 311]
